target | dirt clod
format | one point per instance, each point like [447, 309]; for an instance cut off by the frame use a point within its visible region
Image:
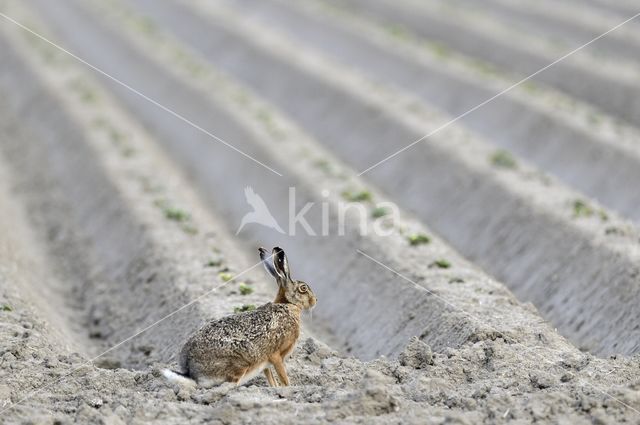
[417, 354]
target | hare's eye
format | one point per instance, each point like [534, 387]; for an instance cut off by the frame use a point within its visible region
[303, 288]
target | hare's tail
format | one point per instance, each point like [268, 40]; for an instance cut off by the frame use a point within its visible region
[177, 377]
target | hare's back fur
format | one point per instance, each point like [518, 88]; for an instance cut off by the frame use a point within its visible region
[235, 346]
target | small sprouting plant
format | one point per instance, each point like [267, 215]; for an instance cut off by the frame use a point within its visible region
[100, 122]
[214, 263]
[83, 90]
[503, 159]
[614, 230]
[530, 86]
[438, 49]
[49, 54]
[145, 25]
[189, 229]
[582, 209]
[603, 215]
[441, 263]
[244, 307]
[241, 98]
[195, 68]
[379, 212]
[176, 214]
[357, 196]
[483, 68]
[245, 289]
[225, 276]
[323, 164]
[116, 136]
[128, 152]
[6, 307]
[594, 119]
[418, 239]
[88, 97]
[398, 32]
[264, 116]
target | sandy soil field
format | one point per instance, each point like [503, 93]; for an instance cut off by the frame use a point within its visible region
[506, 289]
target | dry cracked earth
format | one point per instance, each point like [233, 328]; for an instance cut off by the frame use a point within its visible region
[507, 289]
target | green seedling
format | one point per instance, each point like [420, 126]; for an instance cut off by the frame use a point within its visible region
[226, 277]
[582, 209]
[128, 152]
[195, 69]
[379, 212]
[48, 53]
[241, 98]
[176, 214]
[418, 239]
[190, 229]
[483, 68]
[594, 119]
[603, 215]
[245, 289]
[439, 50]
[264, 116]
[267, 120]
[323, 164]
[530, 87]
[357, 196]
[6, 307]
[88, 96]
[503, 159]
[245, 307]
[145, 25]
[116, 137]
[397, 32]
[180, 55]
[613, 230]
[85, 92]
[442, 263]
[100, 122]
[214, 263]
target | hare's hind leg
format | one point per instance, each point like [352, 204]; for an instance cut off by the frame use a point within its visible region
[237, 378]
[277, 362]
[269, 375]
[243, 374]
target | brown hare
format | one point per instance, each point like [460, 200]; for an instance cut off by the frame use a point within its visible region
[237, 347]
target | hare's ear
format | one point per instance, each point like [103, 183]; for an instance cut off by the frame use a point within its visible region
[267, 262]
[281, 263]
